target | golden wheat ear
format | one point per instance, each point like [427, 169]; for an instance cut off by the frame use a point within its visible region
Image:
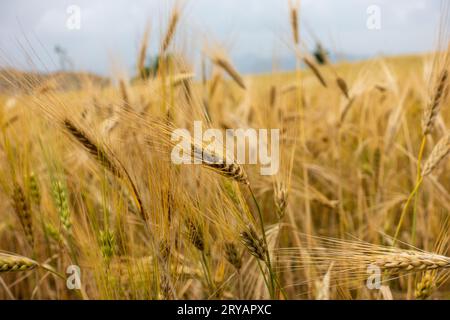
[226, 65]
[439, 153]
[15, 263]
[433, 108]
[352, 259]
[106, 159]
[407, 260]
[281, 199]
[316, 71]
[170, 32]
[219, 164]
[12, 263]
[294, 24]
[254, 244]
[143, 53]
[342, 85]
[96, 151]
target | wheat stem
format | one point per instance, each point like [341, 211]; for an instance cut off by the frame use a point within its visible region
[405, 209]
[261, 223]
[418, 177]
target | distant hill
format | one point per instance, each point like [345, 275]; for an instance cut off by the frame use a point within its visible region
[248, 64]
[14, 81]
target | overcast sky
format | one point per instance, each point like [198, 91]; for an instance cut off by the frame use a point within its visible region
[252, 31]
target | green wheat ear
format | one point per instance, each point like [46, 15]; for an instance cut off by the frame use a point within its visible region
[59, 193]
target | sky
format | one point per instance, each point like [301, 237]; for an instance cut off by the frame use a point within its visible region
[255, 33]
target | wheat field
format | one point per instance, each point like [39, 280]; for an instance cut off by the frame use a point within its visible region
[363, 184]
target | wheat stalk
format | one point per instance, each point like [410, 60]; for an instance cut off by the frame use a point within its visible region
[214, 84]
[345, 111]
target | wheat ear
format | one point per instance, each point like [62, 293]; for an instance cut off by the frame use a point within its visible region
[357, 256]
[425, 286]
[22, 208]
[228, 68]
[253, 243]
[143, 53]
[170, 31]
[124, 93]
[102, 157]
[315, 71]
[12, 263]
[432, 111]
[280, 197]
[195, 235]
[15, 263]
[294, 24]
[343, 87]
[35, 192]
[232, 255]
[220, 164]
[404, 261]
[439, 153]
